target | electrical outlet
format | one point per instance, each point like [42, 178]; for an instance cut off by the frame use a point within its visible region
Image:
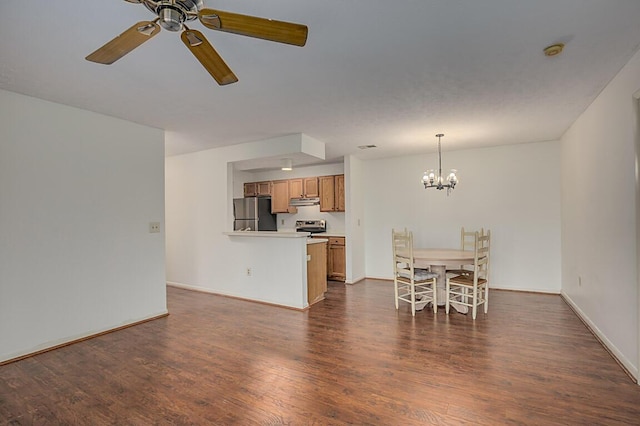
[248, 272]
[154, 227]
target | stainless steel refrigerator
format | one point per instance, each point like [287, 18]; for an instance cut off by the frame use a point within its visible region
[253, 214]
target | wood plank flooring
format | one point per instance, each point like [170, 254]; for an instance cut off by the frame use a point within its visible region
[351, 359]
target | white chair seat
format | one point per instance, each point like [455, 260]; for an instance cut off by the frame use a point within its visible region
[419, 274]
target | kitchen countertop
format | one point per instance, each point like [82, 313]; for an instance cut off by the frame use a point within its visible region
[284, 234]
[268, 234]
[317, 240]
[328, 234]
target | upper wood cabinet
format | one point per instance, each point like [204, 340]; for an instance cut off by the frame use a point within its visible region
[311, 187]
[332, 193]
[257, 189]
[251, 189]
[264, 188]
[327, 193]
[295, 188]
[303, 187]
[330, 190]
[339, 193]
[280, 197]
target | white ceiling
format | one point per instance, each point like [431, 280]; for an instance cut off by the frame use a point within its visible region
[389, 73]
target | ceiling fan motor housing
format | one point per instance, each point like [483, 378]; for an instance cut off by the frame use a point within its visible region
[173, 13]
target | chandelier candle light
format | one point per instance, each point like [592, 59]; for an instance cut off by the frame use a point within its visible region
[431, 180]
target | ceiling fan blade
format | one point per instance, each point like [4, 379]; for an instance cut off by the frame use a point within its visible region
[252, 26]
[208, 57]
[124, 43]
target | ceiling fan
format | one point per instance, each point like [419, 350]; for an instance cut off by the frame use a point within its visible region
[172, 15]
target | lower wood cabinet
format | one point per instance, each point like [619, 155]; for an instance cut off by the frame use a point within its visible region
[316, 272]
[336, 258]
[336, 262]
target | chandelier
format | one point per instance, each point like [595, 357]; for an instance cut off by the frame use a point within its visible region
[432, 180]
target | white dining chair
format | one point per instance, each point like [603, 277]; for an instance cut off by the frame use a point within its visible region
[467, 242]
[411, 284]
[472, 289]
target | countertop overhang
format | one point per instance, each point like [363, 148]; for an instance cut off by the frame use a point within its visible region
[268, 234]
[317, 240]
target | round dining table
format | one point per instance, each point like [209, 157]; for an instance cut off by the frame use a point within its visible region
[437, 260]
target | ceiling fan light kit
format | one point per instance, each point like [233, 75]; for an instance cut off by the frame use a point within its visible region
[172, 15]
[554, 49]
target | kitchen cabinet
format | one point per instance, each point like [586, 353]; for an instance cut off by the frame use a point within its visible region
[332, 193]
[250, 189]
[336, 258]
[264, 189]
[257, 189]
[303, 187]
[327, 193]
[316, 272]
[280, 197]
[336, 262]
[339, 193]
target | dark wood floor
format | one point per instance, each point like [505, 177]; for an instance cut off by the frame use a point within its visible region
[351, 359]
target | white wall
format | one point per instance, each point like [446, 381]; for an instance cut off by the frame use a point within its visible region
[512, 190]
[599, 215]
[355, 189]
[199, 191]
[77, 193]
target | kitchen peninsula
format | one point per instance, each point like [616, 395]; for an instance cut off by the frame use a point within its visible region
[278, 268]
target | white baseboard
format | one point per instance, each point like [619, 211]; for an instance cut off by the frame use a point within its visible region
[218, 293]
[613, 350]
[355, 280]
[193, 288]
[491, 286]
[58, 343]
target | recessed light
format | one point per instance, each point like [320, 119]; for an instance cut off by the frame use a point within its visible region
[367, 146]
[287, 164]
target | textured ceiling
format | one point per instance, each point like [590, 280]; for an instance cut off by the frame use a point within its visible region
[389, 73]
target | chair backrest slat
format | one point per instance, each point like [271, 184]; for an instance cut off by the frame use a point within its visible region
[402, 250]
[482, 255]
[468, 238]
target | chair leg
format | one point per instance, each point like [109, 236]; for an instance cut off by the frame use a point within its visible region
[395, 284]
[475, 303]
[413, 299]
[447, 288]
[486, 299]
[434, 297]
